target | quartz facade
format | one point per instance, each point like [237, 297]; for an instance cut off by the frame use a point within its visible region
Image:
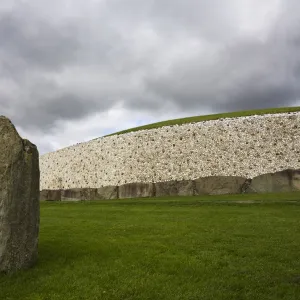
[245, 146]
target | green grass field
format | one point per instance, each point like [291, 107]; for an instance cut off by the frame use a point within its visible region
[212, 117]
[214, 247]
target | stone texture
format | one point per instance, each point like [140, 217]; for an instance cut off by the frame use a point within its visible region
[44, 195]
[50, 195]
[136, 190]
[220, 185]
[107, 193]
[246, 185]
[78, 194]
[174, 188]
[19, 200]
[283, 181]
[246, 147]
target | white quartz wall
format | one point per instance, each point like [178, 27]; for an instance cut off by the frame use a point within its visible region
[246, 146]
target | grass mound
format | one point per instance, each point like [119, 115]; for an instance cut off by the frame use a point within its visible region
[214, 247]
[211, 117]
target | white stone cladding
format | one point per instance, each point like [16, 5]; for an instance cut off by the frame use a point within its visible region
[245, 146]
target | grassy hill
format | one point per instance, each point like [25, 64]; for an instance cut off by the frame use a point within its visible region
[211, 117]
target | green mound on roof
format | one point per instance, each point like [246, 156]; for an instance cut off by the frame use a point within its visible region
[235, 114]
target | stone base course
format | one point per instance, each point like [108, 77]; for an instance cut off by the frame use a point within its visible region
[107, 193]
[136, 190]
[50, 195]
[283, 181]
[174, 188]
[78, 194]
[219, 185]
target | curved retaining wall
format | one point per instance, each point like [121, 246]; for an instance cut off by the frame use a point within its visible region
[246, 146]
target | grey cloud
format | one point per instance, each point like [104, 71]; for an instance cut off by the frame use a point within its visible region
[29, 42]
[33, 51]
[246, 74]
[45, 113]
[70, 63]
[212, 20]
[51, 104]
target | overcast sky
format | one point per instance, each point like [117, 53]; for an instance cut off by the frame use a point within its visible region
[75, 70]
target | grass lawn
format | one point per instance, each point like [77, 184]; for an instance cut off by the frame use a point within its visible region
[214, 247]
[212, 117]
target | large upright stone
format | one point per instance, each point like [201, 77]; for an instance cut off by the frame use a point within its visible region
[282, 181]
[174, 188]
[79, 194]
[136, 190]
[220, 185]
[50, 195]
[19, 199]
[107, 193]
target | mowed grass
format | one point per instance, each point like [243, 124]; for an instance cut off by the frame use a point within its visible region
[211, 117]
[214, 247]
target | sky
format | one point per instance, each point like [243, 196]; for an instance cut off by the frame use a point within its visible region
[71, 71]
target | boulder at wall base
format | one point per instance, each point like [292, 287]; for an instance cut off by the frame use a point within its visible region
[78, 194]
[220, 185]
[50, 195]
[106, 193]
[44, 195]
[54, 195]
[282, 181]
[174, 188]
[136, 190]
[19, 200]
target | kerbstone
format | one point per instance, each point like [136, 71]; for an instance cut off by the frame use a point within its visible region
[219, 185]
[174, 188]
[50, 195]
[284, 181]
[80, 194]
[19, 200]
[136, 190]
[106, 193]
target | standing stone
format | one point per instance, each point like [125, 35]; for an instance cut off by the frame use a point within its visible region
[19, 199]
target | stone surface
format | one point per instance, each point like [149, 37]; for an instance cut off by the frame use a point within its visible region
[78, 194]
[284, 181]
[219, 185]
[107, 193]
[44, 195]
[50, 195]
[174, 188]
[246, 147]
[136, 190]
[19, 200]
